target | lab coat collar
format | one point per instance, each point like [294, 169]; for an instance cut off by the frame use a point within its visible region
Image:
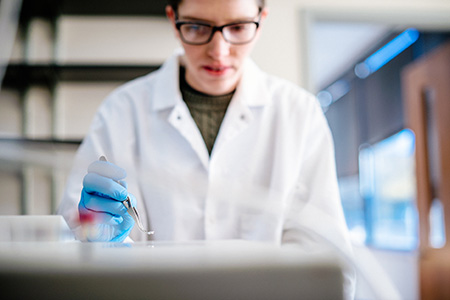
[251, 90]
[167, 88]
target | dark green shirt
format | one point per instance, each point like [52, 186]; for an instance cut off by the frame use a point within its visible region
[206, 110]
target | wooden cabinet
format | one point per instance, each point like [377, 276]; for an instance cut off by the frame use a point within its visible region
[426, 86]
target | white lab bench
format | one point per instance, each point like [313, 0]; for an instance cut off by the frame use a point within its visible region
[231, 269]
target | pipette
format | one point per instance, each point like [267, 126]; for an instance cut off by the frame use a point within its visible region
[132, 210]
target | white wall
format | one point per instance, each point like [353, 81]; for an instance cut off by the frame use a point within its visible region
[114, 40]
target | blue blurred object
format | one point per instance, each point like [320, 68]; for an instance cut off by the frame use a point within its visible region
[386, 53]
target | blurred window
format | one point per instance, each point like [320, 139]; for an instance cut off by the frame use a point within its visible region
[388, 188]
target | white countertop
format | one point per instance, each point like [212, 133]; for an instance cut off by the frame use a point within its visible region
[232, 269]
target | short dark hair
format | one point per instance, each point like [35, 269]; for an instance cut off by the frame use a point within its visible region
[175, 3]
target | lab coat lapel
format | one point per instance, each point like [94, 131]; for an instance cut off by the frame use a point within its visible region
[250, 94]
[181, 120]
[167, 95]
[237, 119]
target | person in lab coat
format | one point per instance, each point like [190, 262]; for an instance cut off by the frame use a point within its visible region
[213, 147]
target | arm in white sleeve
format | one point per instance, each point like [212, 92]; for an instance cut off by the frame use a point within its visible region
[314, 218]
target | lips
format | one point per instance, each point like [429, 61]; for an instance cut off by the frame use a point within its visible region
[216, 70]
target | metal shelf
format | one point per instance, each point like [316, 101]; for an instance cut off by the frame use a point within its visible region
[29, 141]
[20, 74]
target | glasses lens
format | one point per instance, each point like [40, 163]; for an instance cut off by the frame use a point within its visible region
[240, 33]
[195, 33]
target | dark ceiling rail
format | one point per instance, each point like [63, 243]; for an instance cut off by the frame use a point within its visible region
[50, 9]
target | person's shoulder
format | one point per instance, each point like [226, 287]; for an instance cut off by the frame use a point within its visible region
[132, 91]
[280, 84]
[137, 85]
[141, 88]
[286, 92]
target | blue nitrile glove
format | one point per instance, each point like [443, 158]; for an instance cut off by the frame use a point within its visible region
[103, 216]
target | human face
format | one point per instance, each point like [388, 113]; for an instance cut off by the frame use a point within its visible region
[215, 68]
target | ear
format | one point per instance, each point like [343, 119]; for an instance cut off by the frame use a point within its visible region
[171, 15]
[264, 13]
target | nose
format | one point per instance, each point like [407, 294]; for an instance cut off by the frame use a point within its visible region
[218, 47]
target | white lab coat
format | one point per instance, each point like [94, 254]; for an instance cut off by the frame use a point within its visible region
[271, 174]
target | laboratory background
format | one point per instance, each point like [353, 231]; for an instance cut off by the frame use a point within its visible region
[380, 70]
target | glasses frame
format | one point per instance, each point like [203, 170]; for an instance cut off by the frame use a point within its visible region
[178, 25]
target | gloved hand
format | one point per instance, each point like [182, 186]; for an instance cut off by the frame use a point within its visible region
[102, 214]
